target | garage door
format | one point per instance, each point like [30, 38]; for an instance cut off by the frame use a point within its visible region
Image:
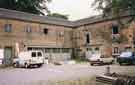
[55, 54]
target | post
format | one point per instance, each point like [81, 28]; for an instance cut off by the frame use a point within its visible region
[107, 70]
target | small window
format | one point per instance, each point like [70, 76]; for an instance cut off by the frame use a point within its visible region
[48, 50]
[39, 54]
[28, 29]
[29, 48]
[33, 54]
[128, 49]
[115, 29]
[56, 50]
[8, 27]
[87, 38]
[45, 31]
[96, 49]
[61, 33]
[89, 49]
[65, 50]
[116, 50]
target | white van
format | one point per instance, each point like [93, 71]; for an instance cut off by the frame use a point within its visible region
[29, 58]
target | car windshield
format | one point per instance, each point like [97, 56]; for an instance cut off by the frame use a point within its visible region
[96, 55]
[126, 54]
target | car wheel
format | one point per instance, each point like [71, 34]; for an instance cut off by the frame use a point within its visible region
[112, 62]
[26, 65]
[102, 63]
[39, 65]
[91, 64]
[120, 64]
[16, 65]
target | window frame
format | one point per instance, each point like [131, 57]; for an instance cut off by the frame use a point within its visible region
[116, 50]
[28, 29]
[8, 28]
[39, 53]
[34, 54]
[88, 38]
[114, 31]
[45, 31]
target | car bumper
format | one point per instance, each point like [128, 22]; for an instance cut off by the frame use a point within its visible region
[124, 60]
[95, 62]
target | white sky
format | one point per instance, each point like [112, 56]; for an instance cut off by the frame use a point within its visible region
[76, 9]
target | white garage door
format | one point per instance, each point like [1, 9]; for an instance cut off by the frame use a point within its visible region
[55, 54]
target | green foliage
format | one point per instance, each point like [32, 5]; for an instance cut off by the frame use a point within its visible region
[58, 15]
[80, 60]
[115, 7]
[30, 6]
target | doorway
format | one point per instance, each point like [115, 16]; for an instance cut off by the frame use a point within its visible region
[7, 55]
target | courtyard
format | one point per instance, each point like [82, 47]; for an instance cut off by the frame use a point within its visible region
[50, 74]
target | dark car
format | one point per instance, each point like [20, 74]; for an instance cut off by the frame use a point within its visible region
[126, 58]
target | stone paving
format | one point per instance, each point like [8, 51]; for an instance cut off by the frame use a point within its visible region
[50, 74]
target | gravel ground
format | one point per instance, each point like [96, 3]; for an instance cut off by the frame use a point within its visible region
[47, 73]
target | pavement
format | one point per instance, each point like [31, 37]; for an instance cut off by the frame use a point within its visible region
[22, 76]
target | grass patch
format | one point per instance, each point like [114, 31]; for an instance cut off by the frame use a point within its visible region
[5, 66]
[81, 61]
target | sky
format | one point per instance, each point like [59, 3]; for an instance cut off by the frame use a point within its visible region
[76, 9]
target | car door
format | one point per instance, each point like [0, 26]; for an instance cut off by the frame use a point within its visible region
[105, 59]
[133, 58]
[34, 57]
[40, 57]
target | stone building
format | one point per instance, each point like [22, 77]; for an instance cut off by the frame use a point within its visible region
[61, 39]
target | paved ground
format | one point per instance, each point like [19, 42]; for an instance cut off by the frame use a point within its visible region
[21, 76]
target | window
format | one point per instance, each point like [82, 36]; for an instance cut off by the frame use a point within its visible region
[29, 48]
[115, 29]
[96, 49]
[45, 31]
[128, 48]
[39, 54]
[33, 54]
[28, 29]
[48, 50]
[87, 38]
[8, 27]
[89, 49]
[116, 50]
[65, 50]
[61, 33]
[56, 50]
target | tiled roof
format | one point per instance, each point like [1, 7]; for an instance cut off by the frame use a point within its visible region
[11, 14]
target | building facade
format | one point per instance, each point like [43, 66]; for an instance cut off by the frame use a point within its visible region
[61, 39]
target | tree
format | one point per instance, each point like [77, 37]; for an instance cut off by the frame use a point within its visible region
[30, 6]
[58, 15]
[115, 7]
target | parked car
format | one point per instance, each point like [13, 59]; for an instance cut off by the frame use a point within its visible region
[126, 58]
[100, 59]
[1, 56]
[28, 59]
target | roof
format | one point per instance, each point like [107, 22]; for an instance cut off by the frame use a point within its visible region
[12, 14]
[99, 18]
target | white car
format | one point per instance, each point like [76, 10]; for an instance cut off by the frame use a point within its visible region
[1, 56]
[29, 58]
[100, 59]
